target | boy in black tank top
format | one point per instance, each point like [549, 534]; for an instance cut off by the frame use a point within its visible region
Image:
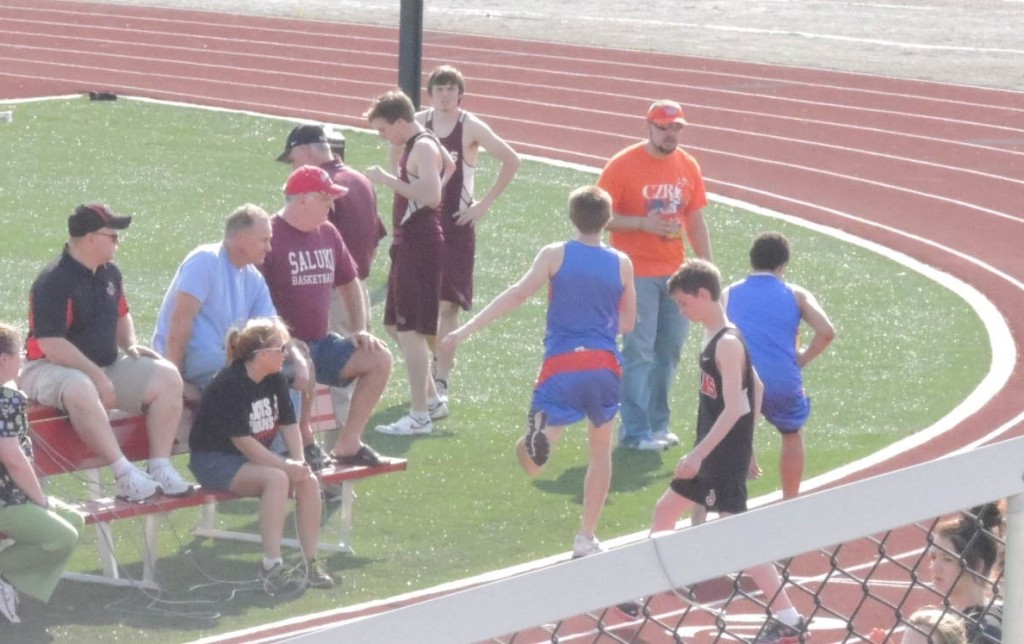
[714, 473]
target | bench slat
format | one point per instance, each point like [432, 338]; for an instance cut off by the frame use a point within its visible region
[58, 450]
[109, 509]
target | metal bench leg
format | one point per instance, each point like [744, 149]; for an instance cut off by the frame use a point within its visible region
[348, 497]
[149, 556]
[208, 517]
[104, 537]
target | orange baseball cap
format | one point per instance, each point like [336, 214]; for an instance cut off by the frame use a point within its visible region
[666, 113]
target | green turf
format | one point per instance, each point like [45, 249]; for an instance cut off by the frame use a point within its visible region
[907, 351]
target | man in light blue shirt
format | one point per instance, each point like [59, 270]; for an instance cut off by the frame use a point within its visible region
[217, 286]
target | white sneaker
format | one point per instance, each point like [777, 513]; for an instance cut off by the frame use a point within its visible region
[667, 437]
[442, 389]
[583, 546]
[406, 426]
[135, 486]
[171, 482]
[438, 410]
[9, 601]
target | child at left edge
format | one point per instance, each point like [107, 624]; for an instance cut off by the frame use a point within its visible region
[43, 529]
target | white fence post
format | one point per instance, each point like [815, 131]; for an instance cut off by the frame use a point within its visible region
[1013, 609]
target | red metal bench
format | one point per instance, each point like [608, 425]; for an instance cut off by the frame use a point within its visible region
[59, 450]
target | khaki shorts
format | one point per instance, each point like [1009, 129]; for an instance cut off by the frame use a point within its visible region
[46, 382]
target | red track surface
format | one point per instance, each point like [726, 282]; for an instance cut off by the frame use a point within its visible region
[934, 171]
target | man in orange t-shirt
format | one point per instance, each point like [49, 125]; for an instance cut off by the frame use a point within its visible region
[657, 195]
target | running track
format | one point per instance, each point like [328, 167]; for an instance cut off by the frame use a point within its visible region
[934, 171]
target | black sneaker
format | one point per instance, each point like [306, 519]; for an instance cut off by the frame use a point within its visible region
[537, 446]
[364, 456]
[282, 582]
[316, 457]
[317, 576]
[775, 632]
[631, 609]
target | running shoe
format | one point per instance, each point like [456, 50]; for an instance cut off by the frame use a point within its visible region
[135, 486]
[666, 437]
[9, 601]
[171, 483]
[776, 632]
[281, 581]
[538, 448]
[583, 546]
[438, 410]
[442, 389]
[317, 576]
[646, 443]
[406, 426]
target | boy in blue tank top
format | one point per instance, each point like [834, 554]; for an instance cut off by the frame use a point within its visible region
[768, 311]
[591, 301]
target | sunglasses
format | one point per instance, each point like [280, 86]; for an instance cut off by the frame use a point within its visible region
[114, 237]
[281, 349]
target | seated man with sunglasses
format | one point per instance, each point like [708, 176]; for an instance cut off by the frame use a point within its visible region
[82, 356]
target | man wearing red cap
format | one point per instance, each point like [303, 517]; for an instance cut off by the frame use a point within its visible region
[83, 356]
[353, 214]
[657, 195]
[414, 281]
[307, 260]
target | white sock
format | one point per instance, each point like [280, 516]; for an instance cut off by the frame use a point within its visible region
[788, 616]
[121, 467]
[270, 562]
[433, 402]
[157, 464]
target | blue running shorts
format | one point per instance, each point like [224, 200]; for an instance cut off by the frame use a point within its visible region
[789, 412]
[570, 396]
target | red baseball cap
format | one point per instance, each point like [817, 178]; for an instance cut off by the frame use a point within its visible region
[666, 113]
[310, 178]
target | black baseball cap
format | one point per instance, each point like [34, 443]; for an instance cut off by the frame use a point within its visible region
[88, 218]
[301, 135]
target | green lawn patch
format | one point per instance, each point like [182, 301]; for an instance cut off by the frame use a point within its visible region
[908, 351]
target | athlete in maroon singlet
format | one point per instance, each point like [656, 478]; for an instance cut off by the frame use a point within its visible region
[410, 312]
[463, 134]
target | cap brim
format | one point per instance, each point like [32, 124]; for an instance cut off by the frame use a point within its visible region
[667, 122]
[119, 223]
[283, 157]
[337, 191]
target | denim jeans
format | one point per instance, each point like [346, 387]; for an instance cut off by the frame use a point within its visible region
[650, 355]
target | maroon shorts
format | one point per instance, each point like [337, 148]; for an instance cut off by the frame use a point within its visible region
[457, 266]
[414, 287]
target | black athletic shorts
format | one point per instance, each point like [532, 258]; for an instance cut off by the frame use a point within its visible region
[717, 496]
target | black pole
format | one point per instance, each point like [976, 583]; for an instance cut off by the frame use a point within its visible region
[410, 49]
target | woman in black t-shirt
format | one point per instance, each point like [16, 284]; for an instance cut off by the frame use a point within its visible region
[241, 412]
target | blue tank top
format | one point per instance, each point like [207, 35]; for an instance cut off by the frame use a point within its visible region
[766, 312]
[583, 301]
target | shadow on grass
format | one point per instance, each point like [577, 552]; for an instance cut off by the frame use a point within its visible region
[209, 579]
[631, 471]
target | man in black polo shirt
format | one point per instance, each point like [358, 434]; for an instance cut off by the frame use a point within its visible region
[83, 357]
